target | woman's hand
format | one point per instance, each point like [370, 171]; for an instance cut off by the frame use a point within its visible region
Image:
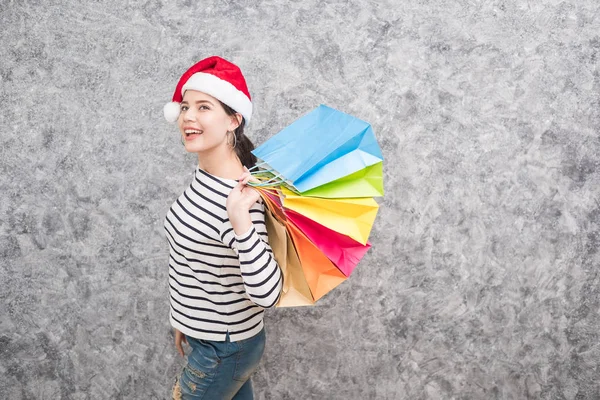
[240, 200]
[179, 337]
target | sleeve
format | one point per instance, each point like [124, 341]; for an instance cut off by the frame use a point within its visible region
[262, 276]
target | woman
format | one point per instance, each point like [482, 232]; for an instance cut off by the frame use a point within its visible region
[222, 274]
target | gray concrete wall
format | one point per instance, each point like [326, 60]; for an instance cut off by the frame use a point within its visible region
[482, 282]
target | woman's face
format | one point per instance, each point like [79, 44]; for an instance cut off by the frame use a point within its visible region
[203, 122]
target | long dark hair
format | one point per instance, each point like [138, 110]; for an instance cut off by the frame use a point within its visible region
[243, 145]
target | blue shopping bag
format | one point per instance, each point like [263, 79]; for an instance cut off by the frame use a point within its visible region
[320, 147]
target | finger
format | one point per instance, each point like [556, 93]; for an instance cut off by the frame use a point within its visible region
[246, 189]
[251, 178]
[180, 349]
[179, 336]
[177, 344]
[252, 194]
[238, 187]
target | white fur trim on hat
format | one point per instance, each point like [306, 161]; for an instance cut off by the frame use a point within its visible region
[171, 111]
[222, 90]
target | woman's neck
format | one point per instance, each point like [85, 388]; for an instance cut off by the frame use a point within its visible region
[224, 164]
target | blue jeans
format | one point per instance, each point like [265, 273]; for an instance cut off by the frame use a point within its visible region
[220, 370]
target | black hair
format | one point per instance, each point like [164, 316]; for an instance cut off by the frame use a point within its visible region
[243, 145]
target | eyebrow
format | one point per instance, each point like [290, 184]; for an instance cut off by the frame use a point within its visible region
[198, 102]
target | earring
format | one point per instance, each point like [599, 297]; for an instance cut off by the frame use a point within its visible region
[234, 138]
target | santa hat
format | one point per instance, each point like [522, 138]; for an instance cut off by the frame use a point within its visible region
[216, 77]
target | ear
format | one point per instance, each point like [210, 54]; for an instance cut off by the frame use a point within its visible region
[236, 120]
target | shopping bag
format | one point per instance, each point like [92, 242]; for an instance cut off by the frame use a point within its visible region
[320, 147]
[343, 251]
[295, 291]
[320, 273]
[352, 217]
[367, 182]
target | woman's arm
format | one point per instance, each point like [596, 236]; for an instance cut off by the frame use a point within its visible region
[262, 276]
[261, 273]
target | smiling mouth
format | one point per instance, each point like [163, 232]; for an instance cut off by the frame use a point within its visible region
[190, 132]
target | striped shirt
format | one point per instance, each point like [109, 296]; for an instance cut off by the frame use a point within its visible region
[219, 282]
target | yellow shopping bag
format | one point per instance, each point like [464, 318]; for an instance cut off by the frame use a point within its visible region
[353, 217]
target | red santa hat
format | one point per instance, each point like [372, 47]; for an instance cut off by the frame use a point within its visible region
[216, 77]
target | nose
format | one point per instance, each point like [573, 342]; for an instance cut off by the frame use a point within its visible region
[189, 115]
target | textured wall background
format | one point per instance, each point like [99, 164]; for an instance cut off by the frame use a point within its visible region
[482, 282]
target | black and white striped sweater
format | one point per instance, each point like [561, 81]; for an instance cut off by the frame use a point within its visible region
[219, 282]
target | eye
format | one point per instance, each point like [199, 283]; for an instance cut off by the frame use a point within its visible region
[203, 107]
[184, 108]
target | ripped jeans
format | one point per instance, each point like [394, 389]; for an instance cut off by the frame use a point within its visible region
[220, 370]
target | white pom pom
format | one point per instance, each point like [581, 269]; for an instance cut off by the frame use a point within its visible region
[171, 111]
